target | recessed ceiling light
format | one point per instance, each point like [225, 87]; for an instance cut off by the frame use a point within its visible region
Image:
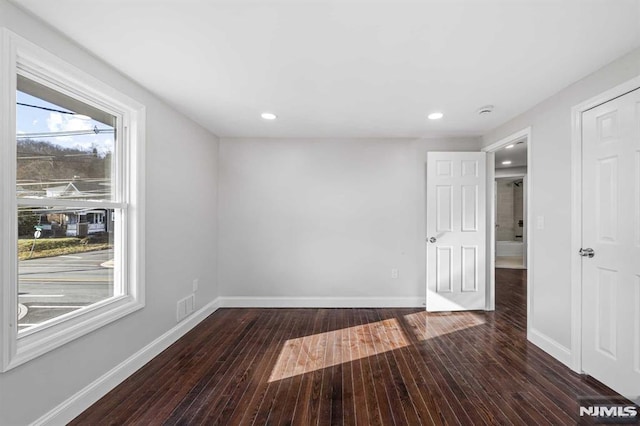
[268, 116]
[506, 163]
[509, 146]
[435, 116]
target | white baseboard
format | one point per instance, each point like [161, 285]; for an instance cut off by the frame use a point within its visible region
[321, 302]
[72, 407]
[550, 346]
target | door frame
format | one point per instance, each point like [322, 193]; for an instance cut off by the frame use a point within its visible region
[491, 218]
[576, 210]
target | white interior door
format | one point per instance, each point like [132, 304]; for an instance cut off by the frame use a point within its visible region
[611, 228]
[456, 231]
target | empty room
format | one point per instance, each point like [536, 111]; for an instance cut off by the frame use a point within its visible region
[319, 212]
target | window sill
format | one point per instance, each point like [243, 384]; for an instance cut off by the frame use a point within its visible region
[41, 341]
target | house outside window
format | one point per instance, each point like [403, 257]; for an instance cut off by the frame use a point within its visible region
[72, 160]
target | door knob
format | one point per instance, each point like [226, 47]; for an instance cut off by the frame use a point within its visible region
[588, 252]
[432, 240]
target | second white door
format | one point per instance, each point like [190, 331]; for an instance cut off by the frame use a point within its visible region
[611, 243]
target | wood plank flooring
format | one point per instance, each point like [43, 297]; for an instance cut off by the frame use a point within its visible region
[356, 367]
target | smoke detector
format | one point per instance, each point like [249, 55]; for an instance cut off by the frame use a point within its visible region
[487, 109]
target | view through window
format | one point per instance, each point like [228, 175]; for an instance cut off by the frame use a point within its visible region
[66, 239]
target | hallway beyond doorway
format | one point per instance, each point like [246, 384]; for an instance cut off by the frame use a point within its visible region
[509, 262]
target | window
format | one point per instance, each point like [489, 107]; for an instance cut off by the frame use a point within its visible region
[72, 194]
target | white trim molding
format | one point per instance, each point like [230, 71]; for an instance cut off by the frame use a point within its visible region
[8, 220]
[550, 346]
[576, 211]
[520, 134]
[321, 302]
[76, 404]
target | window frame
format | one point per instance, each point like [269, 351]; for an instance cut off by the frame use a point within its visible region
[20, 56]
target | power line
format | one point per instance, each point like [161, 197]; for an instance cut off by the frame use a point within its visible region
[95, 131]
[45, 108]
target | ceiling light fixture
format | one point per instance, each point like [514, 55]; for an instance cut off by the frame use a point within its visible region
[435, 116]
[509, 146]
[268, 116]
[506, 163]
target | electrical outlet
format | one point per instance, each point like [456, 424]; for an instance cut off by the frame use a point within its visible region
[196, 283]
[540, 222]
[394, 273]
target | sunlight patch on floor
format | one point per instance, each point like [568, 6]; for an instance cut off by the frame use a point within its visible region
[426, 325]
[311, 353]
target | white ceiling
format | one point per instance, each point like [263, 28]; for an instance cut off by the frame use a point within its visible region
[350, 68]
[517, 155]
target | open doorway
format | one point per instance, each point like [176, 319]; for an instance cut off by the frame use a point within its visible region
[508, 217]
[510, 200]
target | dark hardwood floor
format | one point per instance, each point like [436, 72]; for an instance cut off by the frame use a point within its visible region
[354, 366]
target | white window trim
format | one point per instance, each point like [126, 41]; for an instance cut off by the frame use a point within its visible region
[18, 53]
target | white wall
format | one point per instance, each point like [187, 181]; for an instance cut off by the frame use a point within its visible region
[181, 233]
[511, 171]
[551, 190]
[312, 219]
